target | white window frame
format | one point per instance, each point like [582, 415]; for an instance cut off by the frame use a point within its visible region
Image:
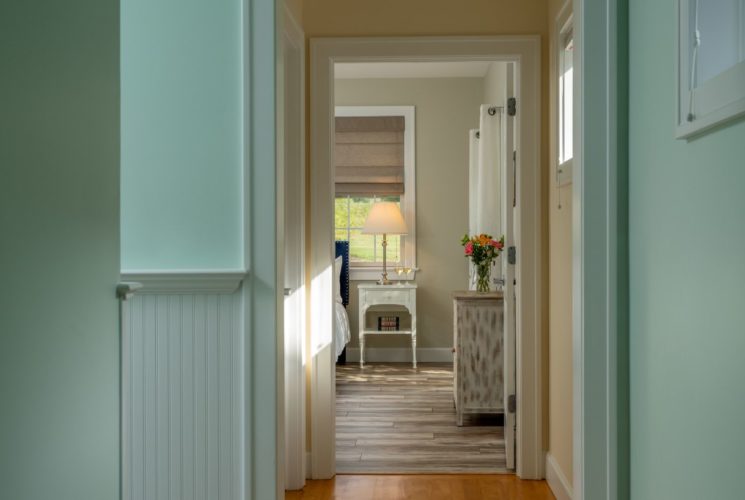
[718, 100]
[565, 28]
[377, 252]
[370, 272]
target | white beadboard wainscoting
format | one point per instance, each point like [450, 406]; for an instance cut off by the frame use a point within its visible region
[183, 387]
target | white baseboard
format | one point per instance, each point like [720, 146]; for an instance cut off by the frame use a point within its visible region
[401, 354]
[556, 480]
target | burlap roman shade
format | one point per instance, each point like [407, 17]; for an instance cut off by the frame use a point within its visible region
[369, 155]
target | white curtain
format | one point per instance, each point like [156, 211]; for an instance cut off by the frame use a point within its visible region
[485, 177]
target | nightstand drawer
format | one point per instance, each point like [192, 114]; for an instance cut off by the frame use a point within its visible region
[387, 297]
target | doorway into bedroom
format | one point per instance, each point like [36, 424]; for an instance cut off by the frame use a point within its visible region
[426, 349]
[411, 142]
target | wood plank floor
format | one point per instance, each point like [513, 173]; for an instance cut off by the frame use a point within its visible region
[424, 487]
[393, 419]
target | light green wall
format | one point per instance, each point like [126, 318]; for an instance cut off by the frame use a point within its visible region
[687, 284]
[59, 250]
[446, 108]
[181, 134]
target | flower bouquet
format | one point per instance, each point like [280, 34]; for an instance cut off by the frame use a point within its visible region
[483, 251]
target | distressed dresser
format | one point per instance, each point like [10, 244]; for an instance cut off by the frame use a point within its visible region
[478, 354]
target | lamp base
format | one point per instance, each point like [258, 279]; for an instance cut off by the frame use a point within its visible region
[384, 279]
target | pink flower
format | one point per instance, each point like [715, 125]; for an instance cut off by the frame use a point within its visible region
[469, 248]
[496, 244]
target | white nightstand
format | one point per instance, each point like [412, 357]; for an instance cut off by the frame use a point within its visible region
[390, 295]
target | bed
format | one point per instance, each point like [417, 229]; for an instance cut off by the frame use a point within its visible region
[342, 332]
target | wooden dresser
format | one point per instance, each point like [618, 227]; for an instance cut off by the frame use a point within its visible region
[478, 354]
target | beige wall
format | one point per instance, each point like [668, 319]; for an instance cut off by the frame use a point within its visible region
[560, 295]
[446, 108]
[495, 83]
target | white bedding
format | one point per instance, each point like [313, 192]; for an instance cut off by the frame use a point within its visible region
[342, 334]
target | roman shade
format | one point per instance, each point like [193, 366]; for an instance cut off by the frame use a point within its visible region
[369, 155]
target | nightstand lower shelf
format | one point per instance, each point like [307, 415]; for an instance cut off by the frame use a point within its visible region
[387, 295]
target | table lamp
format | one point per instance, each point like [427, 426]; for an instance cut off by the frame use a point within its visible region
[384, 218]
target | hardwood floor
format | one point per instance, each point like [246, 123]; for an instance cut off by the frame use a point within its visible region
[424, 487]
[394, 419]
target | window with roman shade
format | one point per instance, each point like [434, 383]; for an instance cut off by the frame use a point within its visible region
[374, 160]
[369, 155]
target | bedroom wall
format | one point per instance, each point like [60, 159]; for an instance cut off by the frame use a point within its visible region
[446, 108]
[495, 84]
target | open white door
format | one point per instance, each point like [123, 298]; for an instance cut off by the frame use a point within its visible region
[509, 209]
[293, 51]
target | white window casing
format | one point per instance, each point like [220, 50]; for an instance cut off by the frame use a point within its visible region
[710, 65]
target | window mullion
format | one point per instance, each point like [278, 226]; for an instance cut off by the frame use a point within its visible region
[349, 220]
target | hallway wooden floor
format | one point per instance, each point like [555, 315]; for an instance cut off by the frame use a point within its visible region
[424, 487]
[393, 419]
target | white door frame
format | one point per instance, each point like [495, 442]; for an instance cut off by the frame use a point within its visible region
[600, 286]
[525, 52]
[263, 404]
[293, 44]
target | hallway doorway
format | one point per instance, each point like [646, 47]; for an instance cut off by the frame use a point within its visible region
[324, 53]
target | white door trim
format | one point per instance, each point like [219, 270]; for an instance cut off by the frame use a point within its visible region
[525, 52]
[600, 286]
[294, 41]
[263, 404]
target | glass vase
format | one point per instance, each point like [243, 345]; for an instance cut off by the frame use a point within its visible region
[483, 273]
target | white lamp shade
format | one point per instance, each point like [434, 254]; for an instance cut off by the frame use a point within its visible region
[385, 218]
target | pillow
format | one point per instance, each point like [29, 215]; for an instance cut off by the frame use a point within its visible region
[338, 265]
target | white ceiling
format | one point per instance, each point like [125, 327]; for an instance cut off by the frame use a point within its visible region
[459, 69]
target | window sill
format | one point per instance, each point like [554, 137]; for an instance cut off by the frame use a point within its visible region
[374, 273]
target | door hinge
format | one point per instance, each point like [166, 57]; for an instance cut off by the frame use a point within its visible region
[511, 106]
[512, 403]
[512, 255]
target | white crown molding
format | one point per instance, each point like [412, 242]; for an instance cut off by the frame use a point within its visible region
[557, 480]
[185, 281]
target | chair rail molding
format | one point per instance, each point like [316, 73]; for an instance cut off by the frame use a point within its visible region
[185, 281]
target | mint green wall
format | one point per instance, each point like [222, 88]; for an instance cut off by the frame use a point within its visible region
[181, 134]
[59, 250]
[687, 284]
